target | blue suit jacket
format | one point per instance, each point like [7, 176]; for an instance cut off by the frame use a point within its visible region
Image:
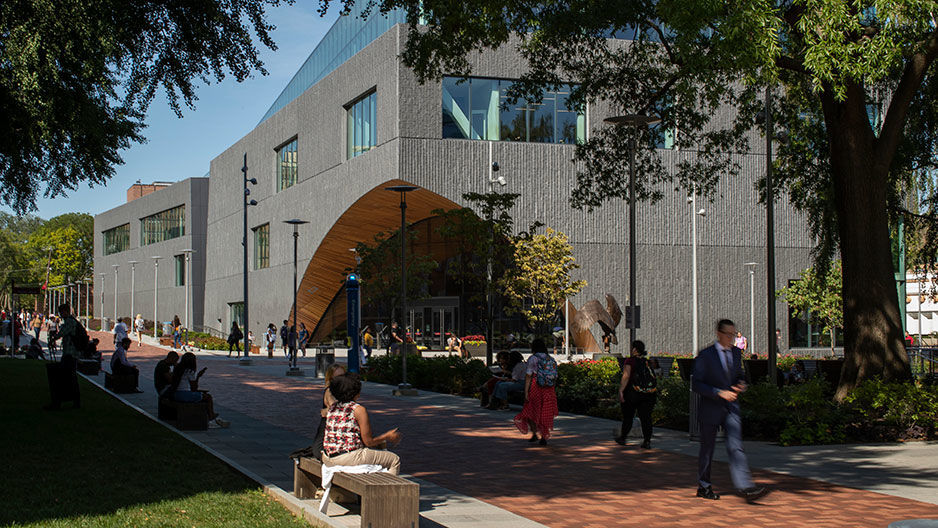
[710, 378]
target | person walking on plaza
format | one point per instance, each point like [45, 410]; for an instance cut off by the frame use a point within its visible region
[234, 338]
[368, 342]
[740, 341]
[271, 337]
[140, 326]
[638, 391]
[36, 323]
[540, 400]
[285, 338]
[303, 337]
[177, 331]
[120, 331]
[718, 379]
[396, 340]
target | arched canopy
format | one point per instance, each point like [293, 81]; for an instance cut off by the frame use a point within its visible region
[376, 211]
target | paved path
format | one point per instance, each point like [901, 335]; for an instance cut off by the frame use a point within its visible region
[581, 478]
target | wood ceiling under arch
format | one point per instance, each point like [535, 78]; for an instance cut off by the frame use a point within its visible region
[376, 211]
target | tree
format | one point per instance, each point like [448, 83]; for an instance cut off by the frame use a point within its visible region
[821, 295]
[832, 64]
[76, 79]
[70, 237]
[380, 272]
[540, 280]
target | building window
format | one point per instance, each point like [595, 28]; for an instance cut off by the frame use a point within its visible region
[803, 334]
[362, 128]
[179, 264]
[262, 246]
[479, 108]
[164, 225]
[236, 314]
[117, 239]
[286, 166]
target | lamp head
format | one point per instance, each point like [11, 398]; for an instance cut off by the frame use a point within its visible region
[501, 181]
[252, 202]
[252, 181]
[495, 166]
[702, 212]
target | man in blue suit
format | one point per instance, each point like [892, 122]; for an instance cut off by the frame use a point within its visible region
[718, 378]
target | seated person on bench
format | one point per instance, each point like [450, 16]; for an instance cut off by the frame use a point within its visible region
[348, 440]
[163, 373]
[33, 350]
[185, 387]
[517, 367]
[121, 366]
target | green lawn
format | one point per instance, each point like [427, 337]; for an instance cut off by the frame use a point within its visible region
[105, 465]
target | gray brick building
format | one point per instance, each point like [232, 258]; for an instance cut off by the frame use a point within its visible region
[354, 120]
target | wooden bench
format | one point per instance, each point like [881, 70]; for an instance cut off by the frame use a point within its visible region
[186, 416]
[387, 501]
[119, 383]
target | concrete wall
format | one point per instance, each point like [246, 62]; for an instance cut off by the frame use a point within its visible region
[192, 192]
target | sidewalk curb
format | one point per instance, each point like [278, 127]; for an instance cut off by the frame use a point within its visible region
[307, 511]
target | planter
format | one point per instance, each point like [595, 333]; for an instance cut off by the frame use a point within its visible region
[411, 350]
[255, 349]
[685, 367]
[830, 370]
[475, 350]
[757, 370]
[665, 362]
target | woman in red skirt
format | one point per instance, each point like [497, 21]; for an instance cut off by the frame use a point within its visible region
[540, 400]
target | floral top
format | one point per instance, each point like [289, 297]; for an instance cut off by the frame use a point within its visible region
[342, 431]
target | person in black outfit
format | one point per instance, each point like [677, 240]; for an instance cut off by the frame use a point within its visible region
[234, 338]
[163, 373]
[632, 398]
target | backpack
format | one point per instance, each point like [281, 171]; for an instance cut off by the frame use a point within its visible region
[80, 340]
[546, 371]
[643, 379]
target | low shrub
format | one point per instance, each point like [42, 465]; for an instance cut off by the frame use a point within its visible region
[673, 406]
[208, 342]
[589, 387]
[445, 374]
[885, 411]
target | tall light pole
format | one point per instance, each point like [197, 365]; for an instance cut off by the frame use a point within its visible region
[693, 258]
[635, 121]
[87, 301]
[751, 344]
[404, 387]
[116, 267]
[490, 316]
[246, 359]
[188, 279]
[101, 316]
[156, 290]
[133, 279]
[294, 371]
[770, 239]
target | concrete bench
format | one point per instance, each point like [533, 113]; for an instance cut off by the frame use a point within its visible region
[387, 501]
[186, 416]
[120, 383]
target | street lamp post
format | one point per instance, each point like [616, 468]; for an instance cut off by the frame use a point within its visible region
[246, 321]
[751, 344]
[293, 334]
[770, 239]
[188, 279]
[489, 330]
[632, 120]
[693, 257]
[156, 290]
[116, 267]
[87, 301]
[133, 283]
[404, 388]
[103, 278]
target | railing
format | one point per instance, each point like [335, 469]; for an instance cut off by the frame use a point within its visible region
[923, 360]
[211, 331]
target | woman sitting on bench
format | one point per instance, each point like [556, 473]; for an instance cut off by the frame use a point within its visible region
[348, 440]
[185, 387]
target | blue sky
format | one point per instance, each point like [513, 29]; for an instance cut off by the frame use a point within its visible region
[176, 148]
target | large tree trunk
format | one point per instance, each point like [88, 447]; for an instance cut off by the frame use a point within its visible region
[874, 343]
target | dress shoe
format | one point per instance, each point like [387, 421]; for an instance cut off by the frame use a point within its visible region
[646, 444]
[620, 440]
[707, 493]
[754, 493]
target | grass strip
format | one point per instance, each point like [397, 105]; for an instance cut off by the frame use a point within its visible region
[105, 465]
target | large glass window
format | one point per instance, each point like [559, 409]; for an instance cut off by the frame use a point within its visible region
[164, 225]
[362, 128]
[236, 314]
[479, 108]
[286, 166]
[117, 239]
[179, 263]
[262, 246]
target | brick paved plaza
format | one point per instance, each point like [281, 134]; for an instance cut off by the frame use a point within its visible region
[581, 479]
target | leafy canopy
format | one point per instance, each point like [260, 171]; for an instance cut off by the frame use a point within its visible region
[77, 76]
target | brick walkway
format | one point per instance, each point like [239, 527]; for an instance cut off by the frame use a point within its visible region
[578, 480]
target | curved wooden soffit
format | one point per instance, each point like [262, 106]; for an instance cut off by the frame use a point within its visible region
[376, 211]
